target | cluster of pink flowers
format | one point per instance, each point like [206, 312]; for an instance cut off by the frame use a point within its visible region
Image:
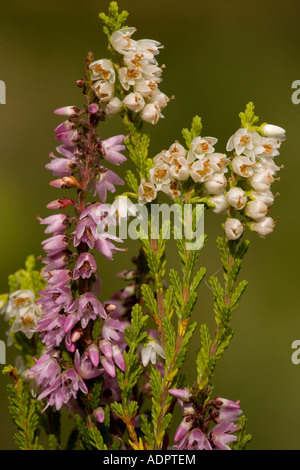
[195, 431]
[69, 303]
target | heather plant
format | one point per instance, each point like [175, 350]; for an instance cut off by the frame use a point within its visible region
[117, 366]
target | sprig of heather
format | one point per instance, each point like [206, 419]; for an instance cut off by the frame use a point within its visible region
[73, 357]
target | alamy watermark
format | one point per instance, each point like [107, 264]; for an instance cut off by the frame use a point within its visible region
[124, 220]
[2, 92]
[2, 352]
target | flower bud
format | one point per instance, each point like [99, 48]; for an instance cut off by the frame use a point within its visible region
[215, 183]
[236, 198]
[233, 229]
[99, 414]
[264, 226]
[67, 111]
[270, 130]
[66, 182]
[256, 210]
[135, 102]
[220, 203]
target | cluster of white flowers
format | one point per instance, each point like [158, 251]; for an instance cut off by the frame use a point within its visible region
[172, 167]
[247, 192]
[254, 171]
[139, 76]
[22, 307]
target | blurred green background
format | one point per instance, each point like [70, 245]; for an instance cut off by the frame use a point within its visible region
[219, 55]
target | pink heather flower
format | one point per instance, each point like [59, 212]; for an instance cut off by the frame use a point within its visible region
[65, 152]
[229, 410]
[63, 389]
[70, 322]
[60, 166]
[57, 223]
[108, 365]
[183, 395]
[118, 357]
[194, 440]
[113, 330]
[111, 149]
[87, 307]
[84, 366]
[104, 246]
[93, 108]
[55, 244]
[183, 428]
[59, 203]
[45, 371]
[68, 138]
[64, 126]
[221, 435]
[100, 214]
[106, 348]
[67, 111]
[99, 414]
[93, 353]
[106, 181]
[85, 266]
[58, 277]
[85, 232]
[58, 261]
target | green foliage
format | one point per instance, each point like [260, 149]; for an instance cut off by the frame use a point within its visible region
[137, 144]
[226, 300]
[27, 278]
[195, 131]
[90, 436]
[249, 119]
[134, 336]
[114, 20]
[243, 438]
[24, 411]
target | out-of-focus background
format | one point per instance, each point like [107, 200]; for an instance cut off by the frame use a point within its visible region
[218, 55]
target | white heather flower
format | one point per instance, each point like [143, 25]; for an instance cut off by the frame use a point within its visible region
[264, 226]
[256, 210]
[145, 87]
[219, 162]
[233, 229]
[236, 198]
[277, 132]
[134, 101]
[103, 69]
[215, 183]
[261, 180]
[113, 107]
[103, 90]
[267, 197]
[160, 175]
[220, 203]
[243, 142]
[177, 150]
[150, 351]
[242, 166]
[266, 163]
[201, 146]
[134, 59]
[152, 72]
[149, 46]
[121, 40]
[171, 189]
[128, 77]
[179, 169]
[268, 147]
[147, 192]
[160, 99]
[151, 113]
[22, 307]
[200, 170]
